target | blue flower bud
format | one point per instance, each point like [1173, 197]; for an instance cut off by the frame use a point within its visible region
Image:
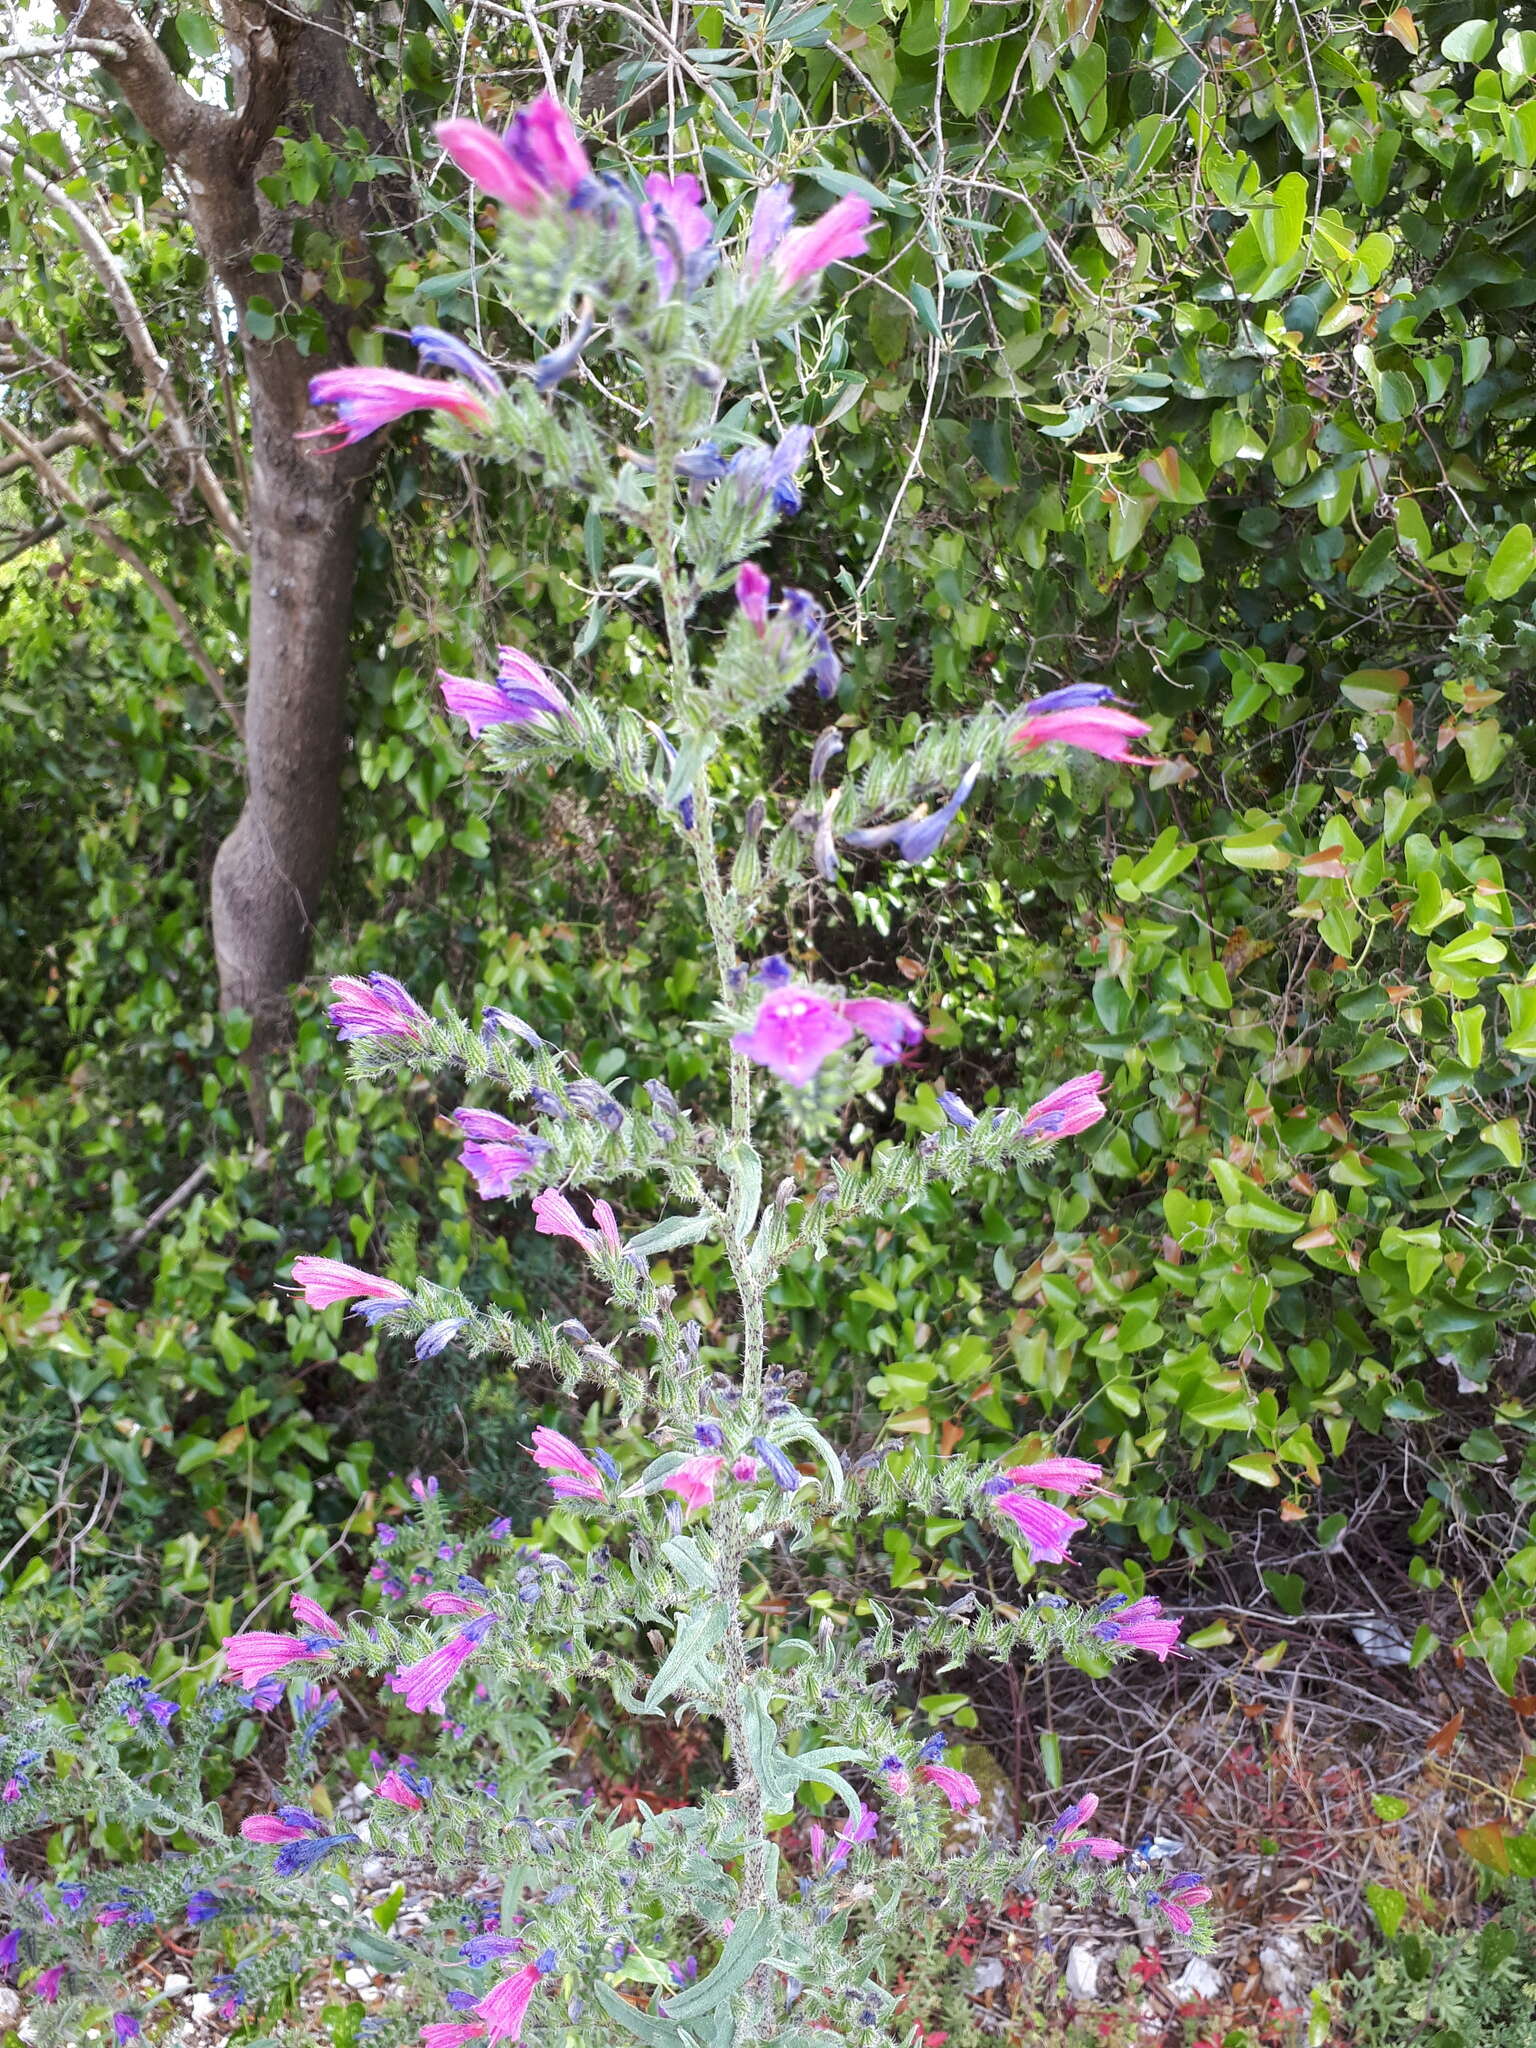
[780, 1470]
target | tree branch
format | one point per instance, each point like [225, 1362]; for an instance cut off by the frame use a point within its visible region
[58, 491]
[64, 437]
[153, 367]
[85, 46]
[183, 126]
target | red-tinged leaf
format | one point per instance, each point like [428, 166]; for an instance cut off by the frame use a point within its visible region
[1443, 1741]
[1487, 1845]
[1524, 1703]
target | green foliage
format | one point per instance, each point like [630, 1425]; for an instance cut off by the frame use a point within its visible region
[1471, 1989]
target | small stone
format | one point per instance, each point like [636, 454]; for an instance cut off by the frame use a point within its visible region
[203, 2007]
[10, 2006]
[987, 1975]
[1197, 1979]
[176, 1984]
[1283, 1968]
[359, 1978]
[1082, 1971]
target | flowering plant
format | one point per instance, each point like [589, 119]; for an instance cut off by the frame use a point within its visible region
[570, 1909]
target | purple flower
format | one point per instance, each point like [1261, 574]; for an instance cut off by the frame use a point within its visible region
[45, 1985]
[828, 746]
[679, 231]
[73, 1896]
[554, 368]
[891, 1028]
[897, 1777]
[499, 1153]
[840, 233]
[780, 1470]
[918, 837]
[125, 2027]
[793, 1032]
[1045, 1528]
[771, 218]
[424, 1684]
[805, 615]
[203, 1906]
[1142, 1626]
[500, 1529]
[752, 588]
[1073, 1107]
[1073, 697]
[538, 163]
[701, 465]
[10, 1948]
[576, 1477]
[448, 352]
[437, 1337]
[774, 971]
[762, 474]
[709, 1436]
[1177, 1898]
[294, 1858]
[522, 694]
[367, 399]
[379, 1007]
[956, 1111]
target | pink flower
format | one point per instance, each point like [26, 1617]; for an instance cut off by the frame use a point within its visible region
[1183, 1893]
[1045, 1528]
[1142, 1626]
[1057, 1475]
[958, 1787]
[258, 1653]
[794, 1031]
[451, 1603]
[424, 1684]
[608, 1226]
[1073, 1107]
[45, 1985]
[676, 226]
[555, 1217]
[378, 1007]
[393, 1787]
[744, 1471]
[266, 1827]
[577, 1477]
[1101, 1848]
[897, 1777]
[1095, 729]
[311, 1615]
[771, 217]
[503, 2009]
[324, 1281]
[500, 1152]
[367, 399]
[1069, 1825]
[696, 1480]
[840, 233]
[537, 163]
[752, 589]
[522, 694]
[451, 2033]
[890, 1027]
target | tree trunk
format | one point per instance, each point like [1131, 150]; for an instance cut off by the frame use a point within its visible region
[294, 70]
[267, 880]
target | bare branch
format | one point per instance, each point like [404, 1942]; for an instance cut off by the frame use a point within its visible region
[58, 491]
[153, 367]
[86, 46]
[183, 126]
[64, 437]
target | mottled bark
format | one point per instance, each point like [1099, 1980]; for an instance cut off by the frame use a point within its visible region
[294, 71]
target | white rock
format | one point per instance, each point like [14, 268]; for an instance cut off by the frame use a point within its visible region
[176, 1984]
[987, 1975]
[359, 1978]
[1382, 1640]
[1283, 1969]
[10, 2006]
[1197, 1979]
[203, 2007]
[1082, 1971]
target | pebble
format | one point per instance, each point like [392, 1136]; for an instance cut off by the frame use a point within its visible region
[176, 1984]
[987, 1975]
[1197, 1979]
[1082, 1971]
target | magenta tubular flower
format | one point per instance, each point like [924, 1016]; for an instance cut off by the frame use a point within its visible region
[793, 1032]
[960, 1789]
[539, 162]
[1142, 1626]
[677, 229]
[367, 399]
[258, 1653]
[311, 1615]
[576, 1477]
[126, 2028]
[1099, 1848]
[863, 1827]
[395, 1788]
[1045, 1528]
[424, 1684]
[841, 232]
[451, 2033]
[451, 1603]
[696, 1480]
[1175, 1902]
[607, 1225]
[771, 218]
[554, 1217]
[1057, 1475]
[45, 1985]
[500, 1152]
[896, 1777]
[522, 694]
[1070, 1823]
[379, 1007]
[270, 1827]
[326, 1281]
[891, 1028]
[1094, 729]
[752, 588]
[1073, 1107]
[504, 2009]
[744, 1471]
